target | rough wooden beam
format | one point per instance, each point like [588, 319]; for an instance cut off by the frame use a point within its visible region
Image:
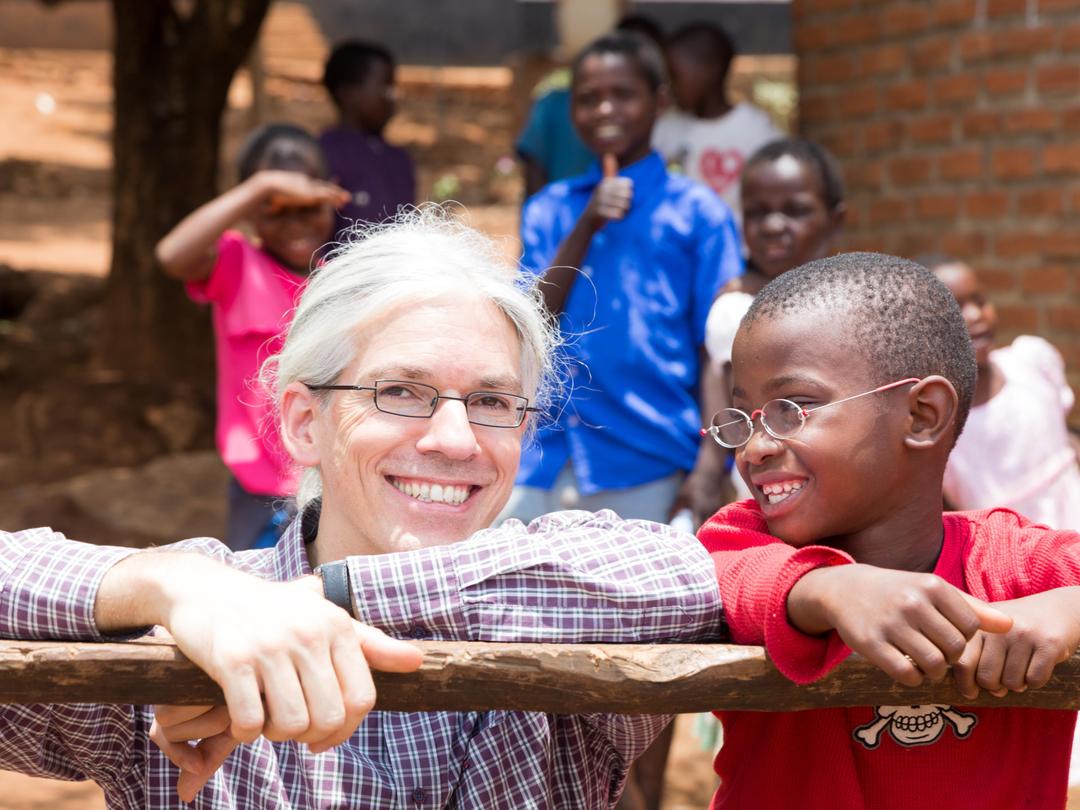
[627, 678]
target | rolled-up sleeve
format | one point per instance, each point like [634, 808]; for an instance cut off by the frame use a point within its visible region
[567, 577]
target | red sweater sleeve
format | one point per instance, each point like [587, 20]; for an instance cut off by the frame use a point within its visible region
[1009, 556]
[756, 572]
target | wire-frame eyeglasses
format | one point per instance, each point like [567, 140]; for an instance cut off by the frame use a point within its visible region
[419, 401]
[781, 418]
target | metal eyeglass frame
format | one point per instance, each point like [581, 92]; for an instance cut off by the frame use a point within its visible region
[714, 430]
[436, 396]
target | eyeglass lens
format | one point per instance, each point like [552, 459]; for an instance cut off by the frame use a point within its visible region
[491, 408]
[781, 417]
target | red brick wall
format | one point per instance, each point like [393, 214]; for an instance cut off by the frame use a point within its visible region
[957, 123]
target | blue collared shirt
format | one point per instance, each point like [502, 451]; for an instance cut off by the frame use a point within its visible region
[634, 323]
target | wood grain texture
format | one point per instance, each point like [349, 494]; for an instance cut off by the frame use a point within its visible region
[625, 678]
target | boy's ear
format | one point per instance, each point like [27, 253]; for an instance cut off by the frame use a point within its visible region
[299, 409]
[932, 404]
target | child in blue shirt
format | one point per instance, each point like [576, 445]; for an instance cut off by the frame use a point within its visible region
[631, 260]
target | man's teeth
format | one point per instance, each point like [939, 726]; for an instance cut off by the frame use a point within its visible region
[439, 493]
[778, 492]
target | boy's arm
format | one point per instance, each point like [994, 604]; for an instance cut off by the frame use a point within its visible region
[187, 251]
[610, 200]
[811, 606]
[706, 487]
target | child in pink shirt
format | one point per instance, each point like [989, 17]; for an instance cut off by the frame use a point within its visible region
[252, 286]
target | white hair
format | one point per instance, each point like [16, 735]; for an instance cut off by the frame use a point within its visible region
[421, 255]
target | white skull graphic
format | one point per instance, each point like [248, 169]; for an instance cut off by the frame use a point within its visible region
[914, 725]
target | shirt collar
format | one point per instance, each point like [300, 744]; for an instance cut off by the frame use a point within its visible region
[290, 552]
[642, 172]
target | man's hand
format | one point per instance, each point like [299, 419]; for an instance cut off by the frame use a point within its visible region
[1045, 632]
[909, 625]
[291, 664]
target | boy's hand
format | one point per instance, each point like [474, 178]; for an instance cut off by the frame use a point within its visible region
[1045, 632]
[612, 197]
[909, 625]
[281, 189]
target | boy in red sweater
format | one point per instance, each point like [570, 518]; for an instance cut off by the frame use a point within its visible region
[853, 376]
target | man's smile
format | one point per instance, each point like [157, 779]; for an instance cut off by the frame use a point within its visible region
[432, 491]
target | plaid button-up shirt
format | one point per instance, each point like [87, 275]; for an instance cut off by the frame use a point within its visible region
[567, 577]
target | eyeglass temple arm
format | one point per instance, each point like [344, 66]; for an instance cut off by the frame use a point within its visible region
[878, 390]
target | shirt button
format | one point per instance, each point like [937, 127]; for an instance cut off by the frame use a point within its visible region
[573, 421]
[418, 632]
[418, 796]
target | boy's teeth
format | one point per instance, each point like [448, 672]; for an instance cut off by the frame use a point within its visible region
[778, 492]
[428, 493]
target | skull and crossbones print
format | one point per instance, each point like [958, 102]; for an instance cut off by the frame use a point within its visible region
[914, 725]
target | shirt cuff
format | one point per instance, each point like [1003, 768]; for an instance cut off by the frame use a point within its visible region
[798, 656]
[408, 595]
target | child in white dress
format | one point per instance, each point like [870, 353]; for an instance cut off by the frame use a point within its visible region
[1016, 449]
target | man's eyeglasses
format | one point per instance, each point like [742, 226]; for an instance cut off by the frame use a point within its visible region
[781, 418]
[418, 401]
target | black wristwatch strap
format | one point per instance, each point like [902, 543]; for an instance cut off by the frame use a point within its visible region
[335, 584]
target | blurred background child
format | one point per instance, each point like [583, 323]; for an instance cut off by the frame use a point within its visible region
[630, 257]
[252, 286]
[1016, 449]
[549, 147]
[708, 137]
[793, 210]
[380, 177]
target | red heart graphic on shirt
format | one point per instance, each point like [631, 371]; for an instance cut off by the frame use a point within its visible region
[720, 168]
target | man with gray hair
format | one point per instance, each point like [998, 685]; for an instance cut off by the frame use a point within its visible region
[410, 376]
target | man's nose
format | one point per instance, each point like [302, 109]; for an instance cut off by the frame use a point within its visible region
[449, 432]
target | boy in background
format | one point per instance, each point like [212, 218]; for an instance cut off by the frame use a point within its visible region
[708, 137]
[359, 76]
[853, 377]
[549, 146]
[653, 251]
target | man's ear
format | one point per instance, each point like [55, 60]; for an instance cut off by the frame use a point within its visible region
[933, 405]
[299, 409]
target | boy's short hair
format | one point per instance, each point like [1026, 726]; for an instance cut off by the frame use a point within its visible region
[811, 154]
[905, 322]
[642, 25]
[634, 47]
[704, 42]
[267, 147]
[351, 62]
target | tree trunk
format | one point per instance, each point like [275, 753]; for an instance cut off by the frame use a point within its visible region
[173, 63]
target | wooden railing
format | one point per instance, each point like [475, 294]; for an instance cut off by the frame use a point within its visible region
[625, 678]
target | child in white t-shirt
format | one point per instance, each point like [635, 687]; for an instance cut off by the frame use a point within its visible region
[1016, 450]
[708, 138]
